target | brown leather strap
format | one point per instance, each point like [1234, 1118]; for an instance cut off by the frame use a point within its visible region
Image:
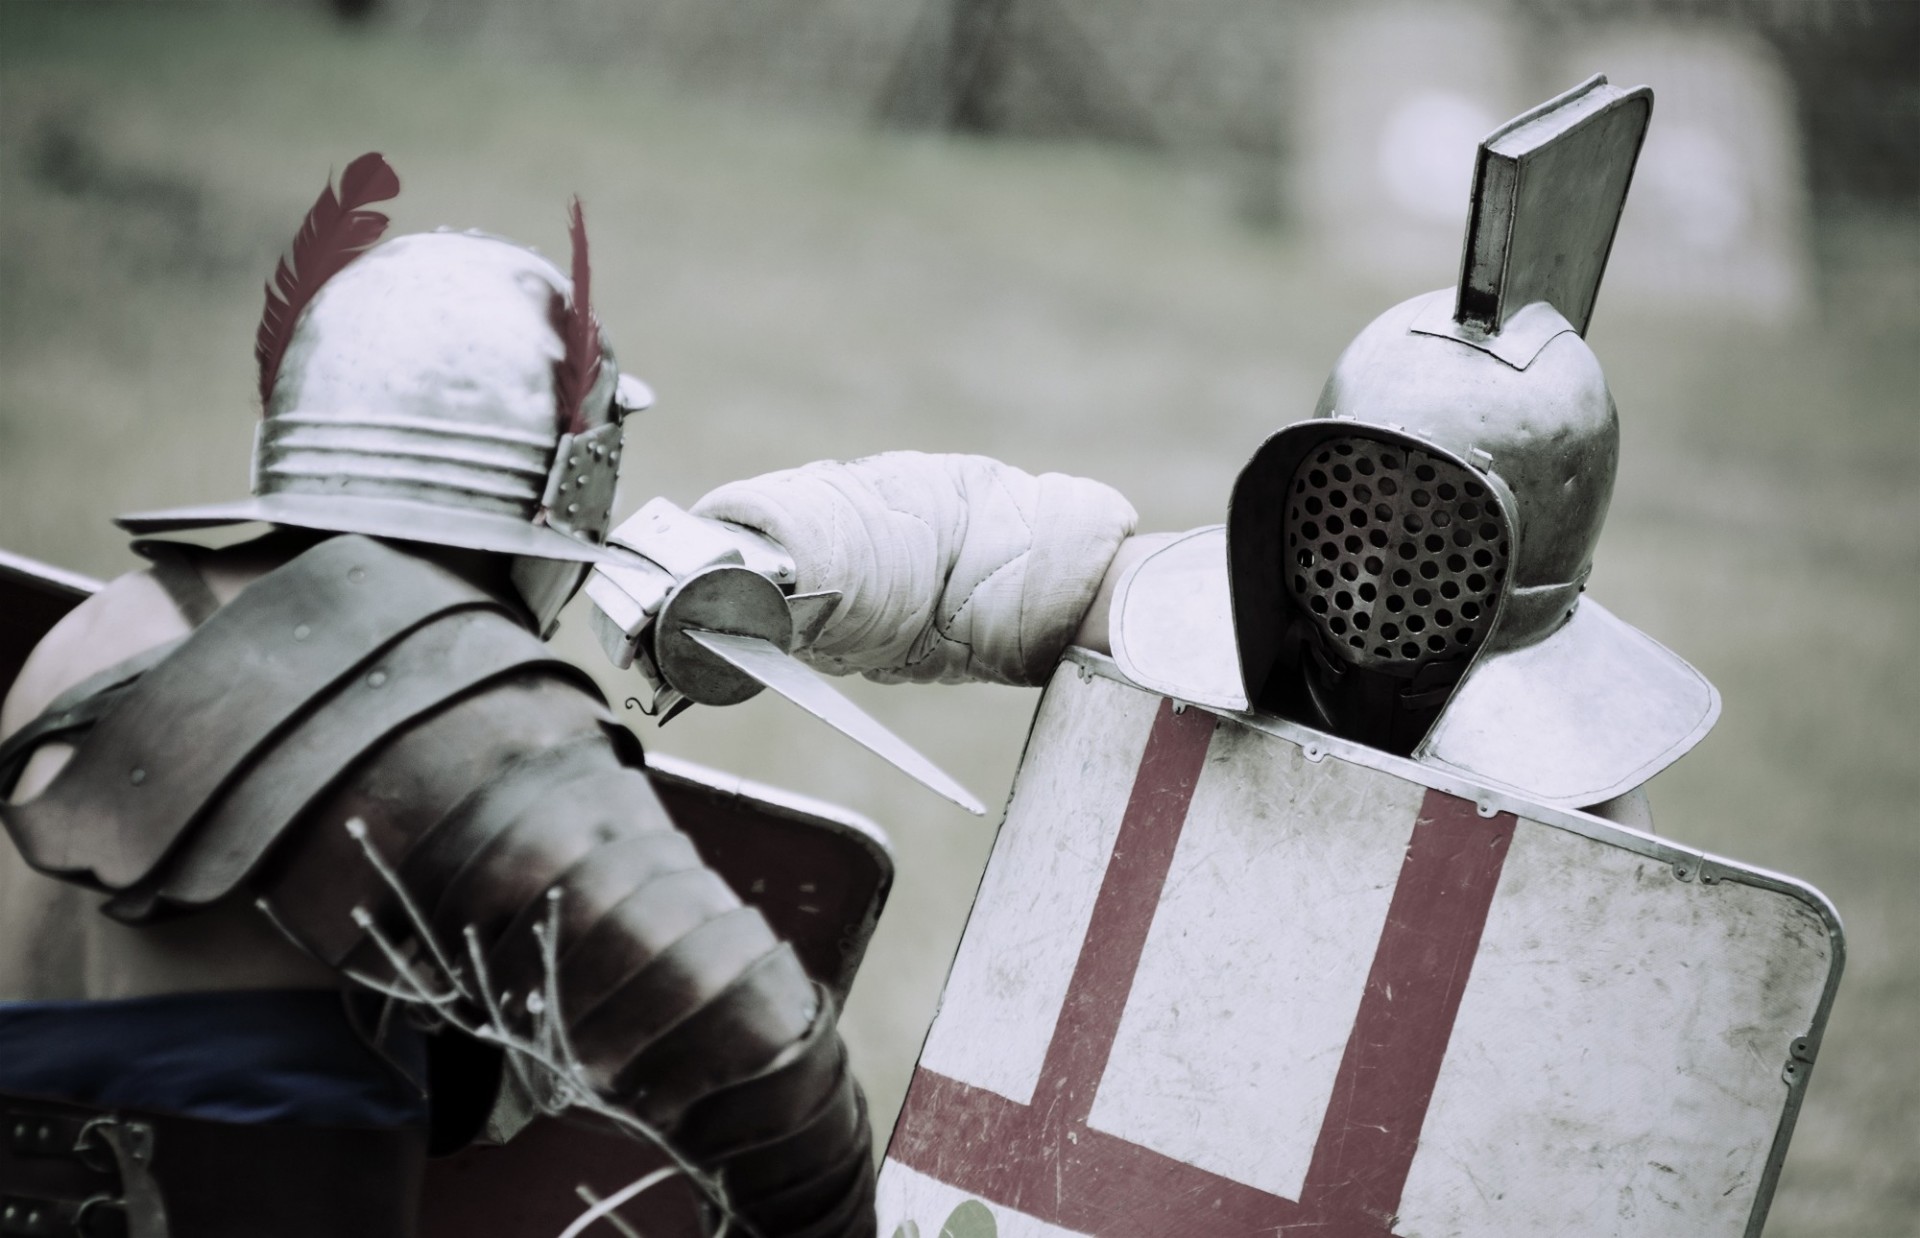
[224, 1180]
[146, 770]
[176, 567]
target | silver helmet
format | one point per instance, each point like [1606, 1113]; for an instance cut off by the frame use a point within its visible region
[1407, 566]
[421, 392]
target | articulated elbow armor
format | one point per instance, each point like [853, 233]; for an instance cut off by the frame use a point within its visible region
[391, 706]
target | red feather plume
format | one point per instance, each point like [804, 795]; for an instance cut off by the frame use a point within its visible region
[337, 230]
[576, 372]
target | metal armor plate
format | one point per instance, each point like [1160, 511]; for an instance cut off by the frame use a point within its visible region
[820, 875]
[1231, 976]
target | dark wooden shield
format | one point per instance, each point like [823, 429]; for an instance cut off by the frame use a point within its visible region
[33, 597]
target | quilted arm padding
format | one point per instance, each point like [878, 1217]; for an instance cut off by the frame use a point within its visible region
[951, 567]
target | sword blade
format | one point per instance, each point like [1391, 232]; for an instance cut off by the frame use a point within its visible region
[792, 679]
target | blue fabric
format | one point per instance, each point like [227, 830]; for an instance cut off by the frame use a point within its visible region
[262, 1056]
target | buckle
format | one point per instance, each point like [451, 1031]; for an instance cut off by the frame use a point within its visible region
[129, 1147]
[108, 1145]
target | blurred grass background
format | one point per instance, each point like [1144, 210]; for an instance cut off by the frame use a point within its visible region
[798, 281]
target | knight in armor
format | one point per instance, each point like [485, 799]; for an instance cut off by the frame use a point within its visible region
[209, 764]
[1407, 567]
[1311, 924]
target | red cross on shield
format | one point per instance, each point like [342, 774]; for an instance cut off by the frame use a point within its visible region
[1230, 977]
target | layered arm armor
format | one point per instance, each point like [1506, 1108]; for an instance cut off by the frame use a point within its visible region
[360, 684]
[681, 1003]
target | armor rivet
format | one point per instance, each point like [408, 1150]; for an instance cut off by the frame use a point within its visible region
[376, 679]
[136, 777]
[572, 508]
[356, 575]
[302, 632]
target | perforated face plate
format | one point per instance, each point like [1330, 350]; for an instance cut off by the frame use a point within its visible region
[1398, 556]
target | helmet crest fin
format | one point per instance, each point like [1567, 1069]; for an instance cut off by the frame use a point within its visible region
[579, 369]
[336, 231]
[1548, 188]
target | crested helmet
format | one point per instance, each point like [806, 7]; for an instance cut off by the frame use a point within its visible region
[1405, 568]
[451, 388]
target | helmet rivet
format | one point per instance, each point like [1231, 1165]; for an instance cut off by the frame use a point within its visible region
[376, 679]
[302, 632]
[137, 776]
[356, 575]
[572, 508]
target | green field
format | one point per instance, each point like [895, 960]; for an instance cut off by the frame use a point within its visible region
[799, 288]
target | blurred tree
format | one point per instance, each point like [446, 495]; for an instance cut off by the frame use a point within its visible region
[1855, 65]
[999, 66]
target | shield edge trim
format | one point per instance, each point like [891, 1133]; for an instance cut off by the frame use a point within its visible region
[73, 583]
[1689, 864]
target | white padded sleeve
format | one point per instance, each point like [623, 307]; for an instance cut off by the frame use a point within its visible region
[952, 567]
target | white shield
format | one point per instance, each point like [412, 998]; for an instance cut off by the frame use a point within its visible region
[1230, 976]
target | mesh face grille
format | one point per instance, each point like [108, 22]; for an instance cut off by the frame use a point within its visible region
[1398, 556]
